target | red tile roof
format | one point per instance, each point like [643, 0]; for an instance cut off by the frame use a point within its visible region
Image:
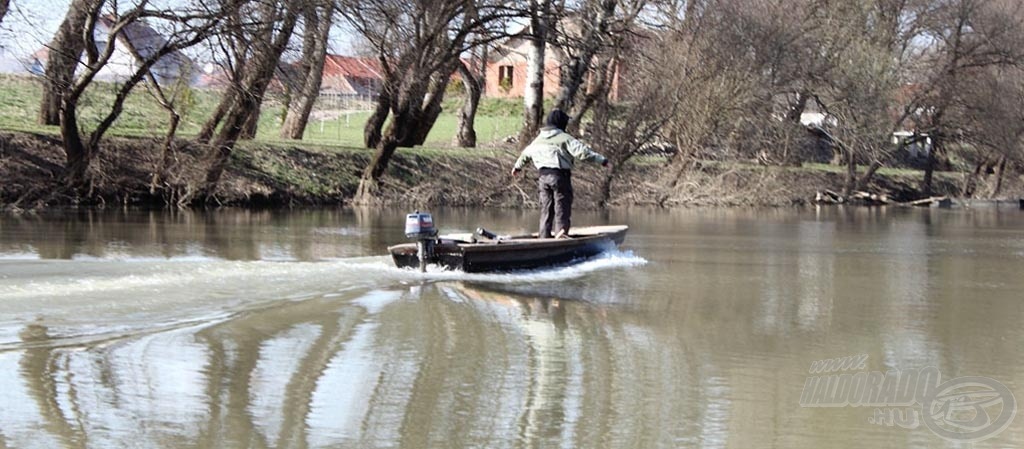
[352, 67]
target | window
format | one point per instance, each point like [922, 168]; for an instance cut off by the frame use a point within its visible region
[505, 77]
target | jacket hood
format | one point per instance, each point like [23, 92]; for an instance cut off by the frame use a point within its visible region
[549, 131]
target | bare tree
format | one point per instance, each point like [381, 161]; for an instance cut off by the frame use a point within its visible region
[419, 47]
[966, 35]
[714, 47]
[623, 130]
[275, 24]
[64, 52]
[992, 116]
[231, 52]
[580, 41]
[185, 25]
[171, 90]
[604, 30]
[318, 20]
[474, 77]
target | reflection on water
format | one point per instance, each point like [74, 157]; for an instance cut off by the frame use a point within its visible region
[288, 329]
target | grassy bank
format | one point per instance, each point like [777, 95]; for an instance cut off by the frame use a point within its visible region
[143, 116]
[272, 174]
[325, 167]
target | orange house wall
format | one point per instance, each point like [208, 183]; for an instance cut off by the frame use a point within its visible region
[551, 78]
[494, 89]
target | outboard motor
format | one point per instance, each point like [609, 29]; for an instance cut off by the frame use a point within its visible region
[419, 226]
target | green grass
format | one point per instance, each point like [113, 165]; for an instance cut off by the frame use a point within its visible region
[143, 116]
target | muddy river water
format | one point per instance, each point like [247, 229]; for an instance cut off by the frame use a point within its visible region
[708, 328]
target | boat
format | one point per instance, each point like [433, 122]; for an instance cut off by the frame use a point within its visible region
[483, 251]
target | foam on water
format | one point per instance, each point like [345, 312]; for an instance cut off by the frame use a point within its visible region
[19, 256]
[149, 274]
[605, 261]
[118, 275]
[103, 297]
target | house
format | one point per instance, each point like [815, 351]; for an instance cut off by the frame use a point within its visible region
[505, 75]
[351, 76]
[347, 82]
[506, 71]
[134, 44]
[917, 145]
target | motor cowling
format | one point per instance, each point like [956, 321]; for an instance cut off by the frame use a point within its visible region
[419, 226]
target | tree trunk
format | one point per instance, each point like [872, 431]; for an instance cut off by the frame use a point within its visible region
[598, 93]
[244, 108]
[166, 153]
[465, 134]
[222, 146]
[575, 69]
[64, 53]
[369, 183]
[533, 95]
[604, 192]
[210, 127]
[971, 183]
[929, 169]
[314, 54]
[404, 121]
[862, 183]
[252, 119]
[1000, 171]
[374, 124]
[851, 173]
[78, 156]
[431, 110]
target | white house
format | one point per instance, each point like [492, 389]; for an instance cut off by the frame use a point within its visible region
[136, 38]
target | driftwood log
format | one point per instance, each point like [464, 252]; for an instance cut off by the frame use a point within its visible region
[935, 201]
[831, 197]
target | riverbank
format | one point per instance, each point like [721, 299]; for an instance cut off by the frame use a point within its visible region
[264, 174]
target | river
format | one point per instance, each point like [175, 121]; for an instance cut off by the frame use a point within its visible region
[291, 329]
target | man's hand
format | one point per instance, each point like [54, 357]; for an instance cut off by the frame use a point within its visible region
[607, 164]
[515, 172]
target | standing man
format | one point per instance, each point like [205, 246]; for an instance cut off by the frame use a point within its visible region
[554, 153]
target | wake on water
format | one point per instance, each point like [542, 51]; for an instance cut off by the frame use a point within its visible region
[604, 261]
[97, 298]
[219, 278]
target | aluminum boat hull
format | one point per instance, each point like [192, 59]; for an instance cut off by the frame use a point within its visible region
[460, 252]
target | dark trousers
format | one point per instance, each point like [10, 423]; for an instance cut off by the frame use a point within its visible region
[555, 187]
